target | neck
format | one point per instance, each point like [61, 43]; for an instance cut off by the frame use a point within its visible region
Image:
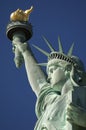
[63, 86]
[58, 86]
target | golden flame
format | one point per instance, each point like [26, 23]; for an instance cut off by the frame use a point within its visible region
[21, 15]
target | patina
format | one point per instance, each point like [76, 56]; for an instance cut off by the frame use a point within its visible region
[54, 107]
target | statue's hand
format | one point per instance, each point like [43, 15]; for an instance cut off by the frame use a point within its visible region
[76, 115]
[19, 49]
[18, 59]
[22, 47]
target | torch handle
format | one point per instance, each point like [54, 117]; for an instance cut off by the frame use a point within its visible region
[18, 59]
[18, 39]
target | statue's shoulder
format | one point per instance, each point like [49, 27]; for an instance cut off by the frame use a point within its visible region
[46, 87]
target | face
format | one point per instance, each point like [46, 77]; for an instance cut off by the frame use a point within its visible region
[57, 73]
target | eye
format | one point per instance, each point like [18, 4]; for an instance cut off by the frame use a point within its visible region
[51, 70]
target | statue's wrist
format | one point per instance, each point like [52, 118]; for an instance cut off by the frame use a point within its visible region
[26, 50]
[26, 53]
[22, 47]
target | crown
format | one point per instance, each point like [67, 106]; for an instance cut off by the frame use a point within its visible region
[55, 56]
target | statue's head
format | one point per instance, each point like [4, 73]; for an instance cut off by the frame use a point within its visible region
[61, 66]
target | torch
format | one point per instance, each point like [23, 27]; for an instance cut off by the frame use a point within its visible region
[19, 30]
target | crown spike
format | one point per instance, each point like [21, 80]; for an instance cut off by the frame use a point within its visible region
[42, 64]
[60, 45]
[42, 51]
[70, 50]
[49, 44]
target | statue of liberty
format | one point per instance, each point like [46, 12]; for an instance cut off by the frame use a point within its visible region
[65, 72]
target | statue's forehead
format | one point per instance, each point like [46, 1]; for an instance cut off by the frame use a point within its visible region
[57, 62]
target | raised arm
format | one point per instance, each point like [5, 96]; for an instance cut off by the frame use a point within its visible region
[35, 74]
[19, 30]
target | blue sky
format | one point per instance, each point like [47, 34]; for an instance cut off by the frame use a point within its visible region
[66, 18]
